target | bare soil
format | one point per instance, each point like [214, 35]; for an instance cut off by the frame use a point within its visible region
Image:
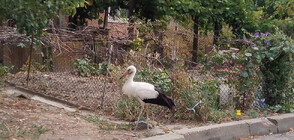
[22, 118]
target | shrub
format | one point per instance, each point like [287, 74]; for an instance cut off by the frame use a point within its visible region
[127, 108]
[87, 68]
[190, 91]
[4, 70]
[270, 57]
[136, 45]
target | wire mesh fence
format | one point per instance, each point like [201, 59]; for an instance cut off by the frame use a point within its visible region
[65, 82]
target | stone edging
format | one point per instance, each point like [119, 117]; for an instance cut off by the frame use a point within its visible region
[233, 130]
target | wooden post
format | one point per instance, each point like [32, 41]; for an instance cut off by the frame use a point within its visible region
[30, 60]
[174, 60]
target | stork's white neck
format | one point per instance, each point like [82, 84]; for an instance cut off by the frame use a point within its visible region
[131, 77]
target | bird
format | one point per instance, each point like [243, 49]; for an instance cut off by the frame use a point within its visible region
[144, 93]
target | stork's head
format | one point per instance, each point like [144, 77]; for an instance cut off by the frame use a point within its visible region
[130, 70]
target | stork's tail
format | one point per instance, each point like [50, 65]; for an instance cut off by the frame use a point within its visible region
[162, 100]
[170, 103]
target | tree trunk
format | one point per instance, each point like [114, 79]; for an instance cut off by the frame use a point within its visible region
[30, 60]
[105, 18]
[195, 41]
[217, 30]
[131, 28]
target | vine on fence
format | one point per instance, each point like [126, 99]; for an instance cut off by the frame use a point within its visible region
[269, 57]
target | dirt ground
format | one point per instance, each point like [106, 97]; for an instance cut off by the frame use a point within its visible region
[22, 118]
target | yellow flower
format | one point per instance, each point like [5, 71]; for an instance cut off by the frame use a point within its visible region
[139, 39]
[239, 112]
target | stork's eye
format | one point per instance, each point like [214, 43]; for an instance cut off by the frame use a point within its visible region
[129, 71]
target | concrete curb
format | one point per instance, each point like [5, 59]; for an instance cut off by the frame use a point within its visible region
[233, 130]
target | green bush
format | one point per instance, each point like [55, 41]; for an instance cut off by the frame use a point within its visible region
[270, 57]
[127, 109]
[190, 91]
[4, 70]
[87, 68]
[282, 108]
[253, 113]
[160, 79]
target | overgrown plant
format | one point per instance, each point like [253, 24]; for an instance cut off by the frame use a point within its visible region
[4, 70]
[190, 90]
[127, 108]
[87, 68]
[136, 45]
[270, 57]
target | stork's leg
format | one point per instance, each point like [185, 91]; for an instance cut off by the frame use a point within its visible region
[147, 117]
[142, 108]
[173, 115]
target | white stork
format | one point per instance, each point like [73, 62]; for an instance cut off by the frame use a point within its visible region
[144, 92]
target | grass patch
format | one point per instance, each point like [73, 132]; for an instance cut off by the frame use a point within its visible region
[218, 116]
[33, 133]
[39, 130]
[4, 132]
[105, 125]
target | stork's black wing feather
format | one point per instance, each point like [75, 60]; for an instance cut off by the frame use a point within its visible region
[161, 99]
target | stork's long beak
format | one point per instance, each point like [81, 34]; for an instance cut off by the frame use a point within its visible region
[123, 75]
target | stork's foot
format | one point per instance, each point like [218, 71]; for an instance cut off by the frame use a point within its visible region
[141, 125]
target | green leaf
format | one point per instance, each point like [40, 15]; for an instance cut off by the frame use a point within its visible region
[260, 74]
[292, 49]
[82, 4]
[243, 89]
[244, 74]
[248, 54]
[21, 45]
[258, 58]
